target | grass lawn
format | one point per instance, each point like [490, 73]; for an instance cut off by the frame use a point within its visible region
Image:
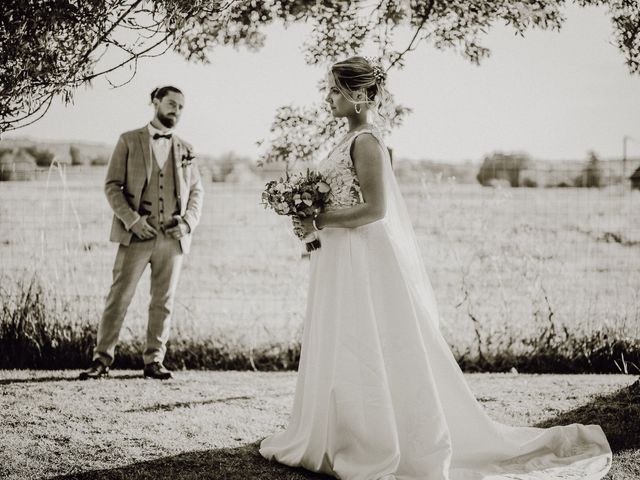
[207, 425]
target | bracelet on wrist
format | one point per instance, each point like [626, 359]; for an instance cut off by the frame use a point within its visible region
[315, 225]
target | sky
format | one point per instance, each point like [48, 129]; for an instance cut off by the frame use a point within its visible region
[553, 95]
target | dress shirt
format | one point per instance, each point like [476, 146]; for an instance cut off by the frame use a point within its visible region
[160, 146]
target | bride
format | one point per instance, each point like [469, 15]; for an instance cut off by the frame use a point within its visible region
[379, 395]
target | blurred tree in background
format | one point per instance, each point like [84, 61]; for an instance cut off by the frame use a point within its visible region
[100, 161]
[221, 168]
[501, 166]
[78, 157]
[591, 176]
[43, 157]
[49, 48]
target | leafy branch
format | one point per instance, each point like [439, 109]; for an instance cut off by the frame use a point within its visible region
[49, 48]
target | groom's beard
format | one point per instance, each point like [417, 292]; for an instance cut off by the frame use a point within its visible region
[168, 122]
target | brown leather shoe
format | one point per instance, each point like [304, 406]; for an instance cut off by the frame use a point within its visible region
[156, 370]
[97, 370]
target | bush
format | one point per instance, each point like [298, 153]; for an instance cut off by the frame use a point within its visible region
[43, 157]
[591, 175]
[37, 330]
[557, 350]
[99, 160]
[222, 167]
[18, 165]
[78, 157]
[505, 167]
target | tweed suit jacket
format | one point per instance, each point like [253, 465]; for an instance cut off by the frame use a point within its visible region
[129, 171]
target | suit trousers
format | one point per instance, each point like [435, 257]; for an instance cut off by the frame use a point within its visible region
[164, 254]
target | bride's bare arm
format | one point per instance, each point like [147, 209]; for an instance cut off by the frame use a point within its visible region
[368, 158]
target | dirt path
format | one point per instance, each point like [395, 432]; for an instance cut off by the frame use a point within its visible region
[205, 425]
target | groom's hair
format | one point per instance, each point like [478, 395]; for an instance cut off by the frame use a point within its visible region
[160, 92]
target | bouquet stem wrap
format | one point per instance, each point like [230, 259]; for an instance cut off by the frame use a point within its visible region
[312, 242]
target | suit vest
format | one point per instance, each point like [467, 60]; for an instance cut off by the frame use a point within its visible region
[159, 197]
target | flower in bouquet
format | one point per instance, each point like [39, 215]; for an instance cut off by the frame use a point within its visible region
[303, 195]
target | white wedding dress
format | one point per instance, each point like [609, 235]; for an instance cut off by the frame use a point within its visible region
[379, 395]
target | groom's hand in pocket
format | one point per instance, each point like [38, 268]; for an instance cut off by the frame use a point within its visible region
[143, 230]
[180, 229]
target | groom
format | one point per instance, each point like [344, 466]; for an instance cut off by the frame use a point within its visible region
[156, 196]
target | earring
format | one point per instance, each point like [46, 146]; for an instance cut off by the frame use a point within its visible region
[357, 108]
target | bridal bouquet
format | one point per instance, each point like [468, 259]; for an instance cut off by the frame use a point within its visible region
[303, 195]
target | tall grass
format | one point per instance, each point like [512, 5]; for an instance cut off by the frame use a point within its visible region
[537, 280]
[38, 329]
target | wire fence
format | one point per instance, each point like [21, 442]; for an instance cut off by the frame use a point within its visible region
[506, 259]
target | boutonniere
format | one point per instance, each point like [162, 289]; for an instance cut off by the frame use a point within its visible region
[187, 158]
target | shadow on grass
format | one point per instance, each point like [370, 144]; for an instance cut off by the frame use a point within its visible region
[166, 407]
[240, 463]
[617, 413]
[9, 381]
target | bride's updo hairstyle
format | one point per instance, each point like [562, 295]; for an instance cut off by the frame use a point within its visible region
[366, 75]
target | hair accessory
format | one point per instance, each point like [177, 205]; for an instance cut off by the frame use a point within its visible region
[378, 72]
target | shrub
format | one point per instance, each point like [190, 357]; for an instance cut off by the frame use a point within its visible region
[38, 330]
[17, 165]
[43, 157]
[221, 167]
[500, 166]
[99, 160]
[78, 157]
[591, 175]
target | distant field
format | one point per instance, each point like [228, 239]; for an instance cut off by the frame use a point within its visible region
[503, 261]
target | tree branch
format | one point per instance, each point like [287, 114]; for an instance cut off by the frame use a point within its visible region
[106, 35]
[410, 47]
[130, 59]
[8, 126]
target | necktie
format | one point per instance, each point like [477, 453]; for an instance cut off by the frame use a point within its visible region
[156, 136]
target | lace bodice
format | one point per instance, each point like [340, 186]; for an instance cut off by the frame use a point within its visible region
[340, 174]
